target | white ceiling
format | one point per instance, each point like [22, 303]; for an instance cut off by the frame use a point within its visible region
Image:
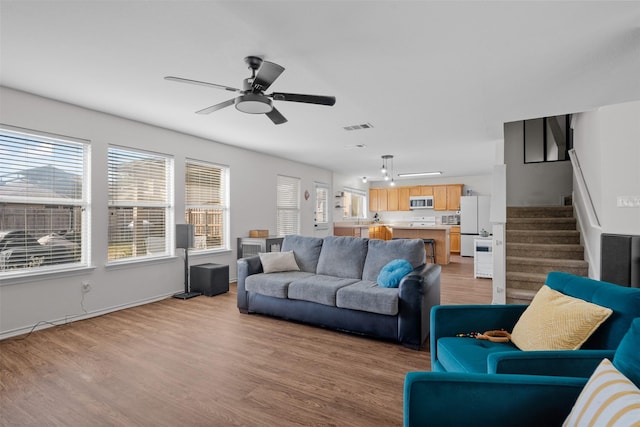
[435, 79]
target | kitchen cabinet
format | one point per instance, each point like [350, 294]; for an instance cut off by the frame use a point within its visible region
[392, 199]
[454, 239]
[440, 198]
[380, 232]
[378, 200]
[445, 197]
[453, 197]
[426, 190]
[414, 191]
[403, 198]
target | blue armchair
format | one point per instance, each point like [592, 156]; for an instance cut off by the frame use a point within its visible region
[462, 399]
[452, 354]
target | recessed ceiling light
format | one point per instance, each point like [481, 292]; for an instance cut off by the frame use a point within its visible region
[406, 175]
[350, 146]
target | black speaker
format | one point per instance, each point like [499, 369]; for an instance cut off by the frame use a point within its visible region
[185, 236]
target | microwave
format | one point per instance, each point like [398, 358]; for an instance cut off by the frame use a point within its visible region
[421, 202]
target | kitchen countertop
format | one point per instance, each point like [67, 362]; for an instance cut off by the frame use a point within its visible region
[427, 227]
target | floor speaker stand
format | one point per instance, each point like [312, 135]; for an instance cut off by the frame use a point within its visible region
[186, 294]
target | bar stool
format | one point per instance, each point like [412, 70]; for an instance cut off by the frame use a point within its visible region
[430, 247]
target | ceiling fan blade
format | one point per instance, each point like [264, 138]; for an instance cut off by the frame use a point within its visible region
[309, 99]
[196, 82]
[276, 117]
[216, 107]
[267, 74]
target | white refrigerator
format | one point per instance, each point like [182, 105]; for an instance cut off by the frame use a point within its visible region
[474, 216]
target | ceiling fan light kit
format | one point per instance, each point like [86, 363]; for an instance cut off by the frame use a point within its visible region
[251, 98]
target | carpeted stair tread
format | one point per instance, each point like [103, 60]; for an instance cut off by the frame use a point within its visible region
[539, 211]
[545, 250]
[548, 261]
[541, 223]
[519, 296]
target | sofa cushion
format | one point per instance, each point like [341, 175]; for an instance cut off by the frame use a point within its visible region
[368, 296]
[554, 321]
[273, 262]
[318, 288]
[627, 356]
[305, 249]
[342, 257]
[273, 284]
[625, 303]
[608, 398]
[380, 252]
[462, 354]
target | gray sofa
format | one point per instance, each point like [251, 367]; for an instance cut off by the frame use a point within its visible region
[336, 287]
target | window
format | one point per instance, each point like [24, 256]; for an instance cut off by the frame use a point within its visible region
[206, 203]
[354, 202]
[288, 205]
[140, 211]
[44, 201]
[321, 215]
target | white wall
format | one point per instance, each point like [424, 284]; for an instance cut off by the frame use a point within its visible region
[532, 184]
[607, 143]
[252, 197]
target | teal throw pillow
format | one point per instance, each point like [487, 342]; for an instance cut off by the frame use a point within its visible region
[627, 357]
[393, 272]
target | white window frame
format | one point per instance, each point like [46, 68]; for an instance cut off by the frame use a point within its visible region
[166, 247]
[321, 206]
[201, 244]
[346, 210]
[287, 205]
[35, 149]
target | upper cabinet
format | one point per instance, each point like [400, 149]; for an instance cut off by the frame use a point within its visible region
[453, 197]
[445, 197]
[440, 198]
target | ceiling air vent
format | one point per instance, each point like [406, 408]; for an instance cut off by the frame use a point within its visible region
[357, 127]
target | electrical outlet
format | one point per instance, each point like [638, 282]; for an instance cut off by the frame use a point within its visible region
[86, 286]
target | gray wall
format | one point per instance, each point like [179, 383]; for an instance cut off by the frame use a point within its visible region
[28, 300]
[532, 184]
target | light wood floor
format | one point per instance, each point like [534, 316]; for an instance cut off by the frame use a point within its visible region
[201, 363]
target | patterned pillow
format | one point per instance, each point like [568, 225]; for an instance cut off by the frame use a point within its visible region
[555, 321]
[609, 399]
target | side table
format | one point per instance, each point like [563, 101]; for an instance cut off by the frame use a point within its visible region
[210, 279]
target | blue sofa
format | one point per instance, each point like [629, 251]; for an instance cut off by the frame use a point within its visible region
[452, 354]
[462, 399]
[336, 287]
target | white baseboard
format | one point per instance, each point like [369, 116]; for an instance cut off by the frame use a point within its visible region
[44, 324]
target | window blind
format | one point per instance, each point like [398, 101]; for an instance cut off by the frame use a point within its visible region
[206, 187]
[43, 201]
[140, 195]
[288, 205]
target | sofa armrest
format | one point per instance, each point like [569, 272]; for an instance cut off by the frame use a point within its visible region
[458, 399]
[449, 320]
[569, 363]
[417, 293]
[246, 267]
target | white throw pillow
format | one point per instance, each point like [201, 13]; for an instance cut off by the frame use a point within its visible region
[273, 262]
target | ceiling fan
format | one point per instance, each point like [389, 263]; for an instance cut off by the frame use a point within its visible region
[251, 98]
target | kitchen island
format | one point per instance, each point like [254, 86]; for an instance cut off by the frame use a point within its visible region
[439, 233]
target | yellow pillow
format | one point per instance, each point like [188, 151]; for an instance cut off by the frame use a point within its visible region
[554, 321]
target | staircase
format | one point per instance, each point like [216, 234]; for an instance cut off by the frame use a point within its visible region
[540, 239]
